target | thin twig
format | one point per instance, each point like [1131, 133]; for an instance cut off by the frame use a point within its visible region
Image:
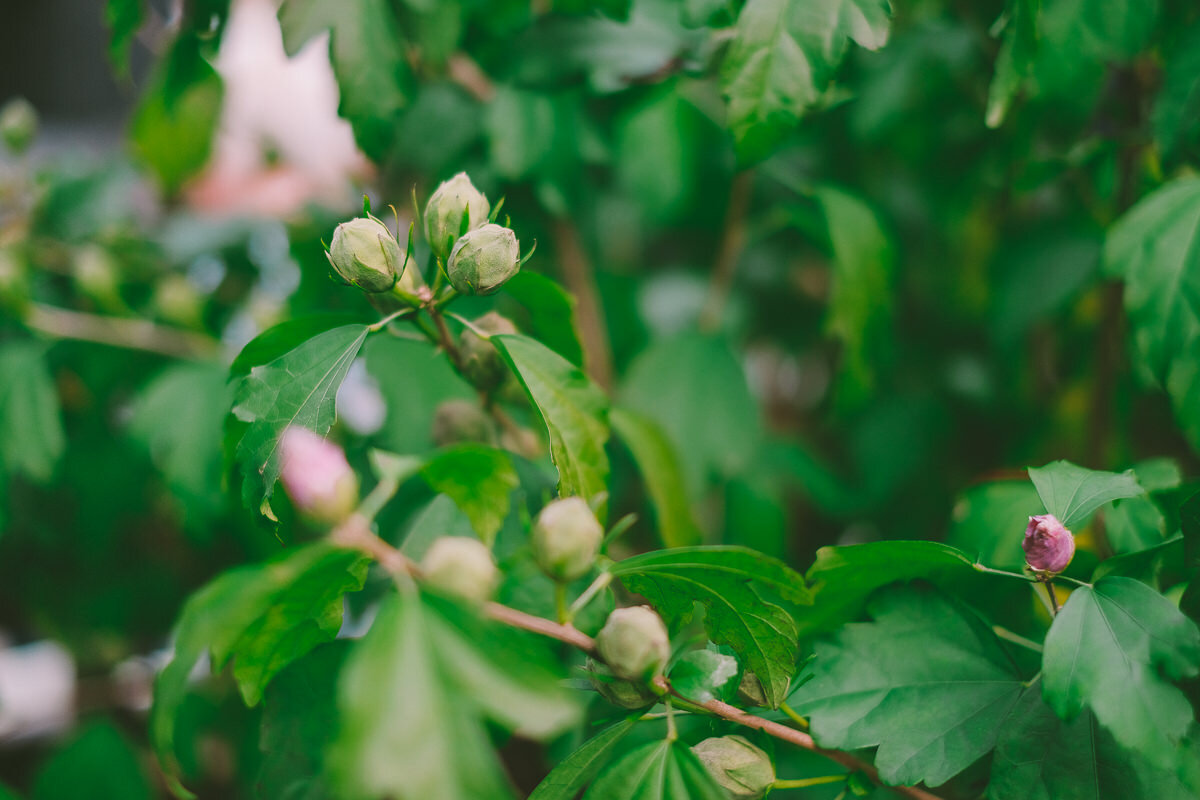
[581, 281]
[134, 334]
[528, 622]
[462, 70]
[733, 238]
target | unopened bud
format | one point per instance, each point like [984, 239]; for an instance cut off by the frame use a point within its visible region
[481, 364]
[462, 567]
[618, 691]
[751, 692]
[445, 210]
[317, 476]
[366, 254]
[744, 771]
[1049, 547]
[484, 259]
[634, 643]
[461, 422]
[18, 124]
[566, 538]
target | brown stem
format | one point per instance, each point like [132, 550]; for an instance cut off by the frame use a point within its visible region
[733, 238]
[445, 339]
[462, 70]
[134, 334]
[528, 622]
[581, 282]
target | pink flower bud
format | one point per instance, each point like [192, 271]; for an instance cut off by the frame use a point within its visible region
[316, 475]
[1048, 546]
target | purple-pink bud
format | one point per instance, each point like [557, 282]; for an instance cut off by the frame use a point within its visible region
[317, 476]
[1048, 545]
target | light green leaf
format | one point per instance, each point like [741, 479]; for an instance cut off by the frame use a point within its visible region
[1015, 61]
[368, 58]
[744, 594]
[1114, 648]
[1072, 493]
[31, 431]
[250, 612]
[927, 683]
[701, 675]
[783, 56]
[659, 464]
[288, 335]
[124, 19]
[297, 388]
[551, 313]
[574, 410]
[661, 770]
[567, 780]
[990, 519]
[1176, 116]
[98, 763]
[479, 480]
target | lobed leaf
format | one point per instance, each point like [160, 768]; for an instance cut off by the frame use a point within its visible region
[1072, 493]
[664, 770]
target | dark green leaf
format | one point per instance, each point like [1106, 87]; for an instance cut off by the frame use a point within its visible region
[288, 335]
[479, 480]
[567, 780]
[1176, 116]
[574, 410]
[124, 19]
[173, 127]
[31, 432]
[662, 770]
[297, 388]
[741, 591]
[551, 313]
[659, 464]
[98, 764]
[990, 520]
[927, 683]
[414, 379]
[1114, 648]
[1072, 493]
[1015, 61]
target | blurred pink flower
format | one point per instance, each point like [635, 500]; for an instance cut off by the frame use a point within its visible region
[1048, 545]
[317, 476]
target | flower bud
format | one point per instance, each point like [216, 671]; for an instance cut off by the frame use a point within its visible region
[750, 690]
[459, 422]
[18, 124]
[634, 643]
[481, 364]
[1048, 546]
[483, 260]
[618, 691]
[445, 209]
[566, 538]
[461, 567]
[744, 771]
[316, 475]
[366, 254]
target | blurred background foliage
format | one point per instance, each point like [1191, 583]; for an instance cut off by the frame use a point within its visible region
[850, 268]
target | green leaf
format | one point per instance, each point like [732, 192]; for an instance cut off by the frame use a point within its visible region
[1015, 61]
[1114, 648]
[701, 675]
[1176, 116]
[659, 464]
[263, 616]
[567, 780]
[479, 480]
[574, 410]
[990, 519]
[783, 56]
[297, 388]
[663, 770]
[298, 721]
[427, 664]
[124, 19]
[32, 439]
[551, 313]
[414, 379]
[368, 58]
[744, 594]
[1040, 757]
[288, 335]
[859, 314]
[695, 389]
[1072, 493]
[98, 764]
[927, 682]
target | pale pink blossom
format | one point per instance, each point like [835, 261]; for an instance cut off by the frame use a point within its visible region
[317, 476]
[1048, 545]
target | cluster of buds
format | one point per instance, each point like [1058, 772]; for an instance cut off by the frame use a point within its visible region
[1049, 546]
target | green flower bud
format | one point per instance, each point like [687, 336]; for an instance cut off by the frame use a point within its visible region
[618, 691]
[18, 124]
[566, 538]
[483, 260]
[634, 643]
[481, 364]
[459, 422]
[744, 771]
[365, 254]
[445, 209]
[751, 692]
[461, 567]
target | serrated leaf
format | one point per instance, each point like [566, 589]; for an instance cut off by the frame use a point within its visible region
[479, 480]
[567, 780]
[551, 313]
[367, 54]
[662, 770]
[660, 468]
[783, 56]
[98, 763]
[927, 683]
[574, 410]
[743, 593]
[31, 431]
[1072, 493]
[1114, 648]
[298, 388]
[247, 611]
[288, 335]
[1040, 757]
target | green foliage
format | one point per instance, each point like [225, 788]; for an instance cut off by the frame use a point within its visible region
[1072, 493]
[32, 439]
[663, 770]
[174, 125]
[98, 762]
[663, 474]
[551, 313]
[575, 771]
[479, 480]
[124, 19]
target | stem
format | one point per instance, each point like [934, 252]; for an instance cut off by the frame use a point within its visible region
[672, 732]
[1016, 638]
[1053, 597]
[990, 571]
[602, 581]
[804, 783]
[383, 323]
[134, 334]
[378, 497]
[560, 603]
[444, 339]
[733, 238]
[578, 276]
[793, 716]
[528, 622]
